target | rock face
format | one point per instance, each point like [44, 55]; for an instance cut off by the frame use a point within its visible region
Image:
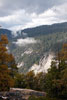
[44, 63]
[20, 94]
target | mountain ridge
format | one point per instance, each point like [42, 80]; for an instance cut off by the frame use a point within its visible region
[45, 29]
[48, 39]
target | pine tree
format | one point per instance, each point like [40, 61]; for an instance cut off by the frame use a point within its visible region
[56, 78]
[7, 63]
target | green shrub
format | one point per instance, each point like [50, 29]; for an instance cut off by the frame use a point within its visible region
[40, 98]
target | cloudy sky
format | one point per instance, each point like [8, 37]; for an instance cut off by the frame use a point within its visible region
[20, 14]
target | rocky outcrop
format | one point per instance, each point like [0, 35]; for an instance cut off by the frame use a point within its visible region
[20, 94]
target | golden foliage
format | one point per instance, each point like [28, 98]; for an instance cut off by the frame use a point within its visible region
[7, 62]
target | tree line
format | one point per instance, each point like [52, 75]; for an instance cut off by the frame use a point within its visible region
[54, 82]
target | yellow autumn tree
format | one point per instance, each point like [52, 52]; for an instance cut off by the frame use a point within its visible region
[7, 65]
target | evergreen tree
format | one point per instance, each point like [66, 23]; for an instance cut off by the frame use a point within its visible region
[7, 64]
[56, 78]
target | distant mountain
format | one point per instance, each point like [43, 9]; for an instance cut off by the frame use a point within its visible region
[45, 29]
[35, 47]
[49, 40]
[37, 31]
[7, 32]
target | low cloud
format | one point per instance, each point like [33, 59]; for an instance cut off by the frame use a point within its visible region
[23, 42]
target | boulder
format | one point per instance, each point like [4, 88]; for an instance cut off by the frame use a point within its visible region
[20, 94]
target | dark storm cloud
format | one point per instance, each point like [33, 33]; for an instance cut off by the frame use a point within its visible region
[38, 6]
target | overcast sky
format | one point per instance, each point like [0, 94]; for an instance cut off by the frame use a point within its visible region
[20, 14]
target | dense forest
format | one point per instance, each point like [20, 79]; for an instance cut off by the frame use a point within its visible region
[33, 49]
[45, 43]
[49, 38]
[54, 82]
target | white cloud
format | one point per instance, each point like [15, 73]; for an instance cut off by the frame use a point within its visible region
[23, 42]
[53, 15]
[37, 6]
[21, 19]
